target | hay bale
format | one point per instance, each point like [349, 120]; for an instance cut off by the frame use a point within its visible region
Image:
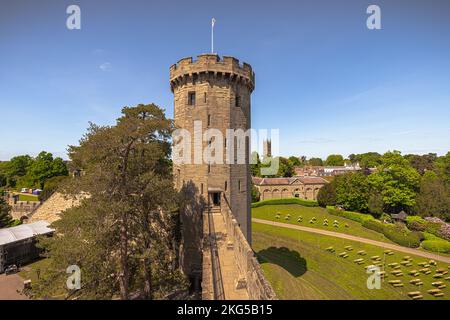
[432, 262]
[393, 264]
[349, 248]
[342, 254]
[438, 295]
[412, 272]
[375, 258]
[418, 297]
[362, 253]
[406, 258]
[414, 293]
[437, 283]
[414, 281]
[442, 286]
[398, 285]
[434, 291]
[438, 276]
[394, 281]
[422, 264]
[448, 278]
[424, 270]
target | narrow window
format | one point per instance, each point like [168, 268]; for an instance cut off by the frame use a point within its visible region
[209, 168]
[239, 185]
[226, 185]
[237, 101]
[201, 188]
[209, 120]
[204, 97]
[191, 98]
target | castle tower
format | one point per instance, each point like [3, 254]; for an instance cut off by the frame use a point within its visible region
[267, 148]
[217, 93]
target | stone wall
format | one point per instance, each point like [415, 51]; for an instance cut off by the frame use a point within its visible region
[258, 287]
[51, 209]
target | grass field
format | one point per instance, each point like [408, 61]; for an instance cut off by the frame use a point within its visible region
[299, 267]
[28, 197]
[269, 212]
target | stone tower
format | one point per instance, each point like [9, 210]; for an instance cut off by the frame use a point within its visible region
[216, 92]
[267, 148]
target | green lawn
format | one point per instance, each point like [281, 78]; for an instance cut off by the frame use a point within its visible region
[299, 267]
[354, 228]
[28, 197]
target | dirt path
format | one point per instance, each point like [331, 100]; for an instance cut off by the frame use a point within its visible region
[358, 239]
[10, 287]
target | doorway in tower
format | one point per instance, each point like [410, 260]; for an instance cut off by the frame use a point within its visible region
[215, 199]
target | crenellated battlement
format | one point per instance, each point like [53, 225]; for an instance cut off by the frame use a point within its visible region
[211, 64]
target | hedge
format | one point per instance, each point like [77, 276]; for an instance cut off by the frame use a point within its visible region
[306, 203]
[441, 246]
[403, 238]
[355, 216]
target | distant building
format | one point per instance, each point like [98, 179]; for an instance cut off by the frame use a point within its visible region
[267, 148]
[325, 171]
[17, 244]
[305, 188]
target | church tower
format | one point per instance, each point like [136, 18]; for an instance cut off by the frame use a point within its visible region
[216, 92]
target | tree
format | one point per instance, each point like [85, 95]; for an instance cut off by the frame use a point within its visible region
[5, 217]
[44, 167]
[255, 166]
[125, 235]
[397, 181]
[442, 168]
[294, 161]
[315, 162]
[352, 191]
[285, 169]
[335, 160]
[327, 195]
[433, 199]
[422, 163]
[17, 167]
[375, 204]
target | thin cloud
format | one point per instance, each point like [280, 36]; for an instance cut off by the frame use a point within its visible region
[106, 66]
[317, 141]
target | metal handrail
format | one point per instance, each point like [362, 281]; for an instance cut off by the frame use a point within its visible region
[219, 293]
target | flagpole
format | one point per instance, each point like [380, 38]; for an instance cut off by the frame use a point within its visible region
[212, 36]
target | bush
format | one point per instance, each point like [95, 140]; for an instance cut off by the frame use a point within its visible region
[441, 246]
[306, 203]
[374, 225]
[355, 216]
[434, 226]
[396, 234]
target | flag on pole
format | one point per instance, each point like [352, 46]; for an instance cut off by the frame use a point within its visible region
[213, 22]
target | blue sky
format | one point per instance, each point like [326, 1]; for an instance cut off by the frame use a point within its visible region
[327, 82]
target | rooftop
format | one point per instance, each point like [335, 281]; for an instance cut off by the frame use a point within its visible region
[24, 231]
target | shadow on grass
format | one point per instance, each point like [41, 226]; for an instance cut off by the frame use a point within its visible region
[289, 260]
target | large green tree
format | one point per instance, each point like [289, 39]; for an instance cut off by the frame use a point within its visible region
[335, 160]
[125, 235]
[433, 199]
[422, 163]
[442, 167]
[315, 162]
[44, 167]
[397, 181]
[352, 191]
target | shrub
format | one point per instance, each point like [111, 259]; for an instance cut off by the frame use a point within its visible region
[355, 216]
[306, 203]
[436, 246]
[396, 234]
[431, 225]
